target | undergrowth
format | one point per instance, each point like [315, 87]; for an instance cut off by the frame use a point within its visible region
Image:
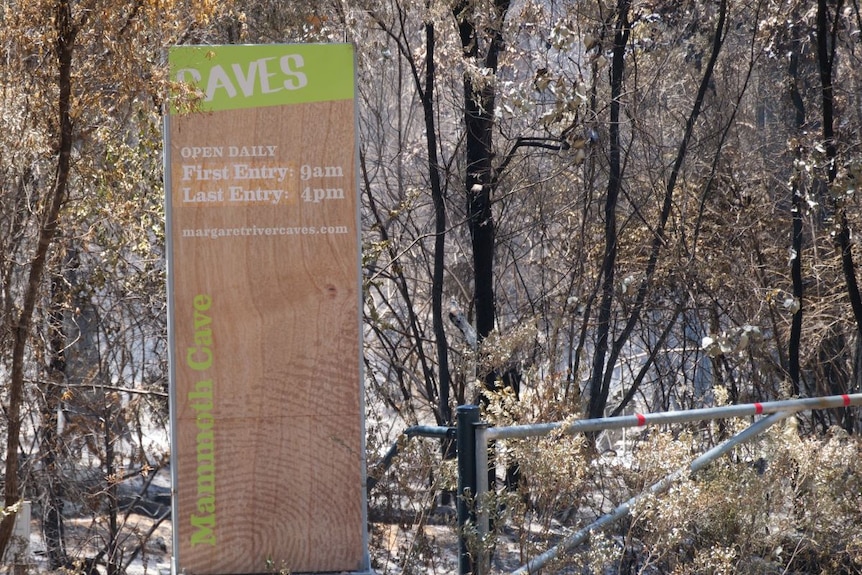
[782, 503]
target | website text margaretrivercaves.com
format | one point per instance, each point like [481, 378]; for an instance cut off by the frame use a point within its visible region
[259, 231]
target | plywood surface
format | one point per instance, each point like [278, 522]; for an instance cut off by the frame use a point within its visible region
[266, 330]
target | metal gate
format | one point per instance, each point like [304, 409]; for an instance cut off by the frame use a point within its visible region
[474, 437]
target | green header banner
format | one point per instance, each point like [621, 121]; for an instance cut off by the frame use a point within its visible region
[233, 77]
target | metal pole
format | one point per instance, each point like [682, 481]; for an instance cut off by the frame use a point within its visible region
[580, 536]
[482, 497]
[641, 419]
[467, 417]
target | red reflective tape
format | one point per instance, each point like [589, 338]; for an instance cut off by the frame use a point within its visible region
[846, 400]
[758, 408]
[641, 419]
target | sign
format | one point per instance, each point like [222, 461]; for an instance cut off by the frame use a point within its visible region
[268, 454]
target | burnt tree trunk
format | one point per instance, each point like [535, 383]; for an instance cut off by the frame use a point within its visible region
[63, 50]
[598, 389]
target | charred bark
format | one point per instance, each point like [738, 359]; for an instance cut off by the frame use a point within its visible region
[64, 48]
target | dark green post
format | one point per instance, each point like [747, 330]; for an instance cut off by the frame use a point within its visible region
[467, 417]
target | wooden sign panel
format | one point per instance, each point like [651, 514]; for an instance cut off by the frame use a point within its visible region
[264, 291]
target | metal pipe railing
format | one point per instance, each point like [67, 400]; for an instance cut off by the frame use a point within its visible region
[639, 420]
[657, 488]
[474, 436]
[484, 435]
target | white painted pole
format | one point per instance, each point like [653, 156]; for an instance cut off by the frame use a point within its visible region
[18, 552]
